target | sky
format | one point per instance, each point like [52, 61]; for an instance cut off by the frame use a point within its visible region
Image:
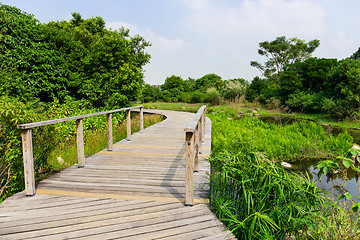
[192, 38]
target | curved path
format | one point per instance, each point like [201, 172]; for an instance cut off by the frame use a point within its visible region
[134, 192]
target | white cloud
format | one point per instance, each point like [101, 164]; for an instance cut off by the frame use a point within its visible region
[167, 55]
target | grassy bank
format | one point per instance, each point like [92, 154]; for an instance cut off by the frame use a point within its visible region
[255, 197]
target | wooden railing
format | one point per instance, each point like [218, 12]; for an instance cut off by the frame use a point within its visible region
[194, 137]
[28, 148]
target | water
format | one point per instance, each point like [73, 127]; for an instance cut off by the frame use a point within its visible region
[309, 166]
[326, 183]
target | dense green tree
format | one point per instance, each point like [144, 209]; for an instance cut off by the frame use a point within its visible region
[34, 68]
[356, 55]
[259, 89]
[209, 81]
[173, 82]
[307, 76]
[343, 82]
[282, 51]
[78, 58]
[151, 93]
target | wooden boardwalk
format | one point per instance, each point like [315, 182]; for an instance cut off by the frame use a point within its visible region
[134, 192]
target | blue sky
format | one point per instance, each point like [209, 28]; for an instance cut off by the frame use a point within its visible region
[192, 38]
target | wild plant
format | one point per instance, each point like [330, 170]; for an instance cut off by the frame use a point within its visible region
[257, 199]
[342, 213]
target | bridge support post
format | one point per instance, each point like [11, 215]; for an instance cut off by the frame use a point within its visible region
[80, 143]
[128, 124]
[189, 168]
[28, 162]
[141, 119]
[109, 131]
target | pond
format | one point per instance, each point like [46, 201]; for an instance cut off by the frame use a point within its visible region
[308, 167]
[324, 182]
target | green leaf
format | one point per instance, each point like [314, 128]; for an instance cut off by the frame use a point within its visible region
[348, 196]
[347, 162]
[355, 207]
[325, 170]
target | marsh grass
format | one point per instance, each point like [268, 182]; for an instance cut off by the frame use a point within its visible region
[257, 199]
[293, 142]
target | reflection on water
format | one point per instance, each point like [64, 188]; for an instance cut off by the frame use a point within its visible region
[325, 183]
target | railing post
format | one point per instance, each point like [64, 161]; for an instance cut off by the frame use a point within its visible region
[141, 119]
[80, 143]
[189, 154]
[128, 125]
[109, 131]
[28, 162]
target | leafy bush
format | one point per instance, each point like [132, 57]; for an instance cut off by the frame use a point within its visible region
[213, 96]
[12, 113]
[304, 102]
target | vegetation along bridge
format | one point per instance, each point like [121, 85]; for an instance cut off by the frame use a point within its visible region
[152, 185]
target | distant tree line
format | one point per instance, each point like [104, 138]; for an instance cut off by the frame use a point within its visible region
[290, 78]
[209, 88]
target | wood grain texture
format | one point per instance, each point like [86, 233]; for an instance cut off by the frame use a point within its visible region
[137, 191]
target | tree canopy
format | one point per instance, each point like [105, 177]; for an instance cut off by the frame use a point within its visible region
[282, 51]
[79, 58]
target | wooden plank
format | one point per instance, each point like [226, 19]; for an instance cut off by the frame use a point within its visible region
[112, 195]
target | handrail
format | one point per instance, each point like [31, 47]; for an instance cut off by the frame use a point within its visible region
[194, 137]
[28, 148]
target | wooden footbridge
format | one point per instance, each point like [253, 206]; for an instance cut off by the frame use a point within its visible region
[152, 185]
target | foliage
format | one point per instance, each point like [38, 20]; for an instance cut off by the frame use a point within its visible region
[258, 199]
[12, 113]
[342, 218]
[305, 102]
[343, 83]
[282, 51]
[279, 141]
[79, 58]
[254, 196]
[213, 96]
[235, 89]
[259, 90]
[356, 55]
[209, 81]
